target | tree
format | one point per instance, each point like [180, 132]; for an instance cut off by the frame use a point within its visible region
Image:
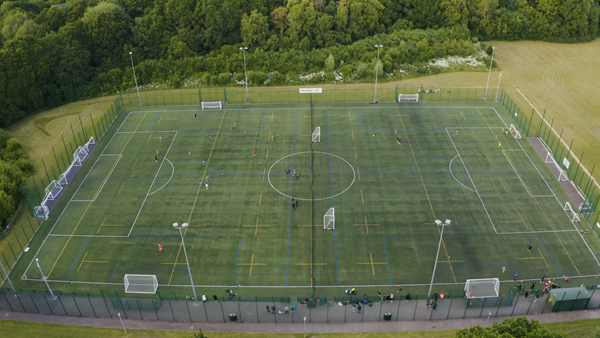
[519, 327]
[330, 63]
[18, 24]
[199, 334]
[454, 12]
[425, 13]
[7, 207]
[255, 29]
[108, 27]
[279, 18]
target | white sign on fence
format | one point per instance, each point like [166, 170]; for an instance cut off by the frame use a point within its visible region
[566, 163]
[311, 90]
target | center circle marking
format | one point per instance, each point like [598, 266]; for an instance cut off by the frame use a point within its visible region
[312, 199]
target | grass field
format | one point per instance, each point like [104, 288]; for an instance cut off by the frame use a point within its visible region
[243, 231]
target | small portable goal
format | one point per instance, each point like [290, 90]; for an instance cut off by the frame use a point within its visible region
[147, 284]
[408, 98]
[316, 135]
[573, 216]
[479, 292]
[212, 104]
[515, 132]
[329, 219]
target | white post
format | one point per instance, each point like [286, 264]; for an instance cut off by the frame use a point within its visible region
[304, 326]
[183, 226]
[488, 319]
[135, 79]
[376, 73]
[121, 319]
[37, 261]
[244, 49]
[438, 222]
[498, 88]
[8, 278]
[489, 73]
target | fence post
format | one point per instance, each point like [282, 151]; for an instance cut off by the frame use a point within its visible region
[56, 159]
[74, 138]
[578, 166]
[13, 252]
[514, 306]
[23, 228]
[38, 310]
[550, 132]
[222, 312]
[92, 306]
[93, 126]
[398, 311]
[416, 304]
[31, 226]
[530, 122]
[104, 298]
[82, 128]
[569, 152]
[10, 306]
[558, 144]
[541, 124]
[46, 170]
[449, 307]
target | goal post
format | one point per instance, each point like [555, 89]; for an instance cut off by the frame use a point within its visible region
[147, 284]
[562, 177]
[329, 219]
[515, 132]
[573, 216]
[408, 98]
[212, 104]
[316, 135]
[482, 288]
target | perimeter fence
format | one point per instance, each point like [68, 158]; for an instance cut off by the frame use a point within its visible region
[344, 309]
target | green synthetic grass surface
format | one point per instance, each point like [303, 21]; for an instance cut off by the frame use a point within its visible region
[243, 230]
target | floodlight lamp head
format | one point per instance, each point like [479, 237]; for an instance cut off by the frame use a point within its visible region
[185, 225]
[438, 222]
[175, 225]
[448, 222]
[37, 259]
[130, 53]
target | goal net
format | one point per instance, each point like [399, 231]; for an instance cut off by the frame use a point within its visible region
[573, 216]
[408, 98]
[482, 288]
[329, 219]
[52, 190]
[211, 104]
[316, 135]
[515, 132]
[562, 177]
[141, 284]
[80, 155]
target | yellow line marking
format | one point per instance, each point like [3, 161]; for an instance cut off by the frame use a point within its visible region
[449, 261]
[449, 264]
[269, 136]
[356, 157]
[472, 131]
[256, 226]
[68, 240]
[522, 219]
[416, 163]
[260, 201]
[307, 264]
[159, 120]
[561, 242]
[204, 174]
[352, 133]
[101, 225]
[488, 158]
[366, 225]
[531, 258]
[357, 169]
[272, 115]
[135, 163]
[83, 260]
[120, 189]
[362, 197]
[173, 263]
[136, 128]
[252, 264]
[149, 137]
[372, 264]
[105, 262]
[463, 115]
[540, 251]
[105, 178]
[350, 118]
[267, 156]
[503, 185]
[264, 172]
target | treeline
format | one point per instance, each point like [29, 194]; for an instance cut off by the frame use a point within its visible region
[53, 52]
[15, 167]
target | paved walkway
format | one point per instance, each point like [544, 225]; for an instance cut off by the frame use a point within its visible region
[289, 328]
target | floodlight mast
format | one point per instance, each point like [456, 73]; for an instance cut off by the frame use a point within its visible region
[135, 79]
[45, 278]
[376, 73]
[181, 227]
[244, 49]
[444, 224]
[498, 88]
[489, 73]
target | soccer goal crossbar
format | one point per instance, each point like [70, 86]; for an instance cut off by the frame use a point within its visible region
[212, 104]
[573, 216]
[147, 284]
[316, 135]
[55, 187]
[408, 98]
[482, 288]
[562, 174]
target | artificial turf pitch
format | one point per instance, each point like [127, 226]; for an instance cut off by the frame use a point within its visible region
[454, 163]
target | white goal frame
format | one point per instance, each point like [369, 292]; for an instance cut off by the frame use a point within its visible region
[408, 98]
[562, 175]
[517, 134]
[329, 219]
[212, 104]
[316, 135]
[80, 155]
[146, 284]
[472, 288]
[573, 216]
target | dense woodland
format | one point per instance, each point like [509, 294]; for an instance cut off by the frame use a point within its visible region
[15, 168]
[53, 52]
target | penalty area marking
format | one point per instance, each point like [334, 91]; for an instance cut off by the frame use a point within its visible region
[170, 178]
[454, 177]
[312, 199]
